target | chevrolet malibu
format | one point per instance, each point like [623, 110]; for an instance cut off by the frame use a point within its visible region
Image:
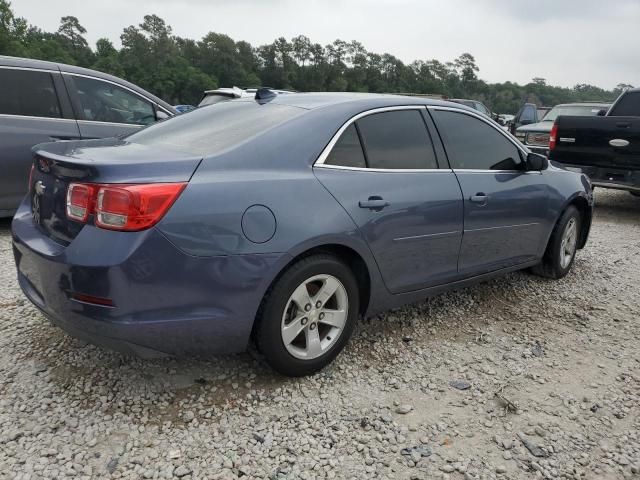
[282, 220]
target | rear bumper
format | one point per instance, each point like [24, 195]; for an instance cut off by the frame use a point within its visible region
[165, 302]
[607, 177]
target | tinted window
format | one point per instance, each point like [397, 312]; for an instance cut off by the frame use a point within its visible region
[482, 108]
[528, 114]
[473, 144]
[105, 102]
[29, 93]
[628, 106]
[397, 139]
[347, 151]
[214, 98]
[210, 130]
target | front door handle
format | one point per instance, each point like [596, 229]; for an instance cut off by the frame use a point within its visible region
[480, 198]
[374, 203]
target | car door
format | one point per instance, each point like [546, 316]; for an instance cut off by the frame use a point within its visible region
[381, 167]
[505, 206]
[34, 109]
[106, 109]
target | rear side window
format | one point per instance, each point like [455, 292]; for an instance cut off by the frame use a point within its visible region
[29, 93]
[397, 140]
[628, 106]
[207, 131]
[347, 152]
[472, 144]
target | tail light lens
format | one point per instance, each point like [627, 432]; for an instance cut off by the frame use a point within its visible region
[553, 136]
[125, 207]
[80, 201]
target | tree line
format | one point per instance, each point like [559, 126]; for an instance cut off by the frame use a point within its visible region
[179, 69]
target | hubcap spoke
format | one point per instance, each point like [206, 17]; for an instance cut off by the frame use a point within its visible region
[334, 318]
[327, 290]
[291, 331]
[301, 297]
[314, 347]
[568, 244]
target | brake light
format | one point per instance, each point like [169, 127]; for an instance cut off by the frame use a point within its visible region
[552, 136]
[33, 167]
[80, 201]
[122, 207]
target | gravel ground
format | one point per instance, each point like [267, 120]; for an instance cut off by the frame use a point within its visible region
[516, 378]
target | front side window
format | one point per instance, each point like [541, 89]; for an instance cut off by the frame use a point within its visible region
[472, 144]
[29, 93]
[347, 152]
[105, 102]
[528, 114]
[397, 140]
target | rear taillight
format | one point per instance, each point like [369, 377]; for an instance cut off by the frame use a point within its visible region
[123, 207]
[80, 201]
[552, 136]
[30, 186]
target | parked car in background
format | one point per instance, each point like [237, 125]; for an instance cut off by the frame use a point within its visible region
[184, 108]
[528, 114]
[42, 101]
[605, 147]
[211, 97]
[476, 105]
[283, 219]
[536, 136]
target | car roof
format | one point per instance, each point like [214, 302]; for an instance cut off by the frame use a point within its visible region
[316, 100]
[62, 67]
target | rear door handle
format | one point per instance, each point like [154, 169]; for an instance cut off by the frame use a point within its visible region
[374, 203]
[480, 198]
[623, 124]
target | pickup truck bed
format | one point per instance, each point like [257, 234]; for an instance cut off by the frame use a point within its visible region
[607, 148]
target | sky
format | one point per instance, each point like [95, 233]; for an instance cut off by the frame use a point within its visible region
[564, 41]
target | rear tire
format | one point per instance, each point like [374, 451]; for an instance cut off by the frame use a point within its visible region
[561, 249]
[307, 317]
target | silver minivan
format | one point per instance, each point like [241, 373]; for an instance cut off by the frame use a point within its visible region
[44, 101]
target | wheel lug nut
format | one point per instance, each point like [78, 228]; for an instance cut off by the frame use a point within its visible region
[312, 326]
[304, 321]
[321, 316]
[318, 304]
[307, 307]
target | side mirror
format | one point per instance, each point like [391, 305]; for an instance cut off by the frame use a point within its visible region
[161, 115]
[536, 162]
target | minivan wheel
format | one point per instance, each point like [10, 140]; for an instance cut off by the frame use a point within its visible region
[307, 317]
[562, 247]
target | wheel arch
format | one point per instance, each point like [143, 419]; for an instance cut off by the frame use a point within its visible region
[585, 210]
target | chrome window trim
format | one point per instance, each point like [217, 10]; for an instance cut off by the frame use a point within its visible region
[148, 100]
[10, 67]
[31, 117]
[479, 170]
[98, 122]
[484, 119]
[319, 163]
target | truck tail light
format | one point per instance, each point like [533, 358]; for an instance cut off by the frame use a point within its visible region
[552, 136]
[80, 201]
[127, 207]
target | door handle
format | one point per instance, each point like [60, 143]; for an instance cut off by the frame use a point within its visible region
[480, 198]
[374, 203]
[57, 139]
[623, 124]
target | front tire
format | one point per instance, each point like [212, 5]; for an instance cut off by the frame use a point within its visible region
[561, 250]
[308, 315]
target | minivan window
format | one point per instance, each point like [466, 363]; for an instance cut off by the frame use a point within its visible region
[472, 144]
[106, 102]
[628, 106]
[397, 140]
[347, 152]
[29, 93]
[206, 131]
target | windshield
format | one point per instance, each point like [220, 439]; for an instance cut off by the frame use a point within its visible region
[573, 110]
[207, 131]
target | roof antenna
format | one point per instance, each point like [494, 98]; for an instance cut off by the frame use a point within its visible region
[265, 95]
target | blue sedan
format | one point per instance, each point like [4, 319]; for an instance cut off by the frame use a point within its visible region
[283, 219]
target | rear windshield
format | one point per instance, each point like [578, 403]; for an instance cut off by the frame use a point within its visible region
[215, 98]
[573, 110]
[210, 130]
[628, 106]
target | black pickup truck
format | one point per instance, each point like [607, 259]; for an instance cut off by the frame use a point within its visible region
[606, 148]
